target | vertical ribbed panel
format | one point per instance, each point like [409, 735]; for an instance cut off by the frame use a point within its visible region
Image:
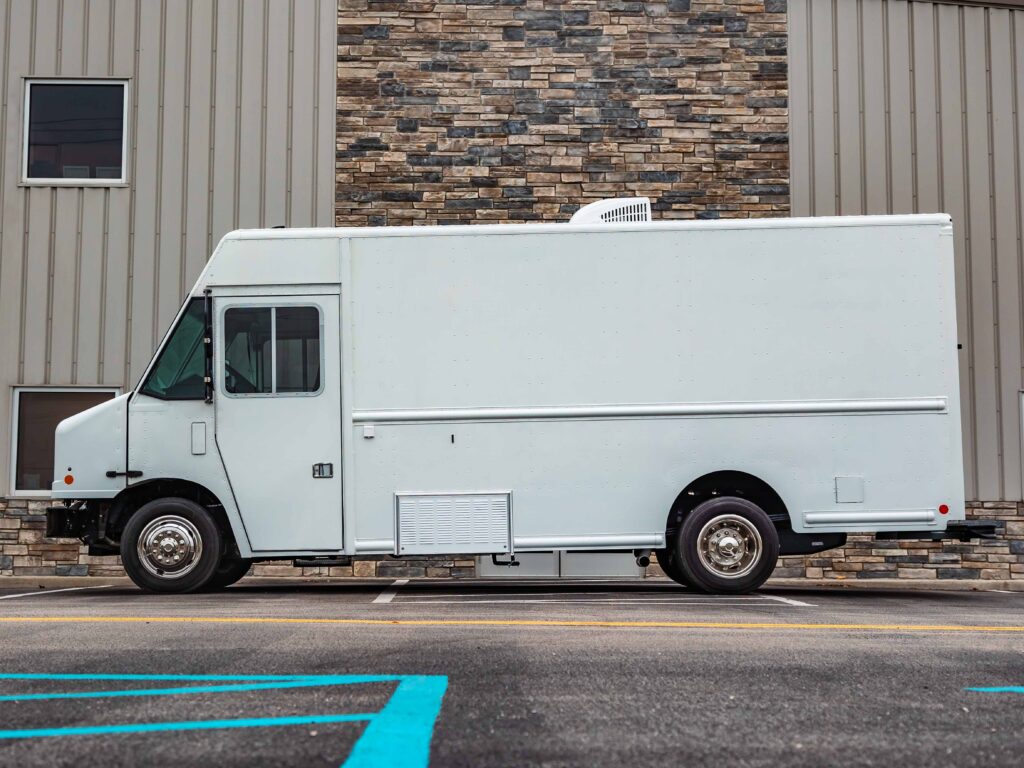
[231, 125]
[901, 107]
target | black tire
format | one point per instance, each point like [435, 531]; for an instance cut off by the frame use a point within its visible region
[669, 566]
[228, 572]
[733, 529]
[188, 532]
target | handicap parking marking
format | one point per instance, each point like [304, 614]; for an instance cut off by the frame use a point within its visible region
[398, 734]
[999, 689]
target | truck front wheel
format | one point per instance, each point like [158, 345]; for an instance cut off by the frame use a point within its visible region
[669, 565]
[727, 545]
[228, 572]
[171, 545]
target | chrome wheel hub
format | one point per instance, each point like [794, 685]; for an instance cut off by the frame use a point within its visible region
[729, 546]
[169, 547]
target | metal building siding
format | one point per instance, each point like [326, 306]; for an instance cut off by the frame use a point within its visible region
[231, 124]
[900, 106]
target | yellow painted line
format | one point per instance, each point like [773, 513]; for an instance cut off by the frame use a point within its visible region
[510, 623]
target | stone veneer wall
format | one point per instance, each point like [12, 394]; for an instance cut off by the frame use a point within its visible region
[521, 110]
[865, 558]
[24, 552]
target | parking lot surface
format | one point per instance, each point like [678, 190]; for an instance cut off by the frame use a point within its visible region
[510, 673]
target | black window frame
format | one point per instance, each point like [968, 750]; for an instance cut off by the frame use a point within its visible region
[17, 415]
[59, 181]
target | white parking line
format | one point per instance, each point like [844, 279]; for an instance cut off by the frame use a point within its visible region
[704, 600]
[389, 594]
[788, 601]
[51, 591]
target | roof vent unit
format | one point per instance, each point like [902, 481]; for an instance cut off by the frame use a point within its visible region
[619, 210]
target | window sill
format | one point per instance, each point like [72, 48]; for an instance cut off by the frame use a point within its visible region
[81, 183]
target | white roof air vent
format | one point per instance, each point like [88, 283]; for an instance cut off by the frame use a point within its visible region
[619, 210]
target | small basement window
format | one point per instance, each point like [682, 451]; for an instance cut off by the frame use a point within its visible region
[37, 412]
[75, 132]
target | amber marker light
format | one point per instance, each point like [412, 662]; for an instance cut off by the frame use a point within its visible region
[68, 479]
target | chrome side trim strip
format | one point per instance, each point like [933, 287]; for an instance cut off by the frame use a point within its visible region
[769, 408]
[596, 541]
[871, 517]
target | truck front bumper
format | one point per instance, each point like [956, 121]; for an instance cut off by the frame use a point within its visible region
[66, 522]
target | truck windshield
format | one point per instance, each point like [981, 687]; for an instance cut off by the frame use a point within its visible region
[178, 373]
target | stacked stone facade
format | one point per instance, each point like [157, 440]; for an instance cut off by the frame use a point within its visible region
[25, 552]
[522, 110]
[863, 557]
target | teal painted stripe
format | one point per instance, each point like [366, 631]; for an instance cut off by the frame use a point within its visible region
[177, 678]
[400, 734]
[311, 682]
[1000, 689]
[190, 725]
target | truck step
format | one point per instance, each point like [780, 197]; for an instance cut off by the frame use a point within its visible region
[321, 562]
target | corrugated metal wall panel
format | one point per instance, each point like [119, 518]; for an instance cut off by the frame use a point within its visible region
[913, 106]
[231, 125]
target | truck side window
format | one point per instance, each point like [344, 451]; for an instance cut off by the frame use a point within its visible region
[178, 373]
[297, 336]
[247, 350]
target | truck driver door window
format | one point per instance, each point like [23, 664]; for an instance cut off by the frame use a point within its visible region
[248, 358]
[297, 340]
[272, 350]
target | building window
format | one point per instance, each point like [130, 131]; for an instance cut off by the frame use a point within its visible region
[37, 412]
[75, 132]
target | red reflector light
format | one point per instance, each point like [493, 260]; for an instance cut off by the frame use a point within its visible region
[943, 509]
[68, 479]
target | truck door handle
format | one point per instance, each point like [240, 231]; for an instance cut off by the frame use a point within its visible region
[129, 473]
[323, 470]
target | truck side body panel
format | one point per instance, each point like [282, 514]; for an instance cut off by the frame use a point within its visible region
[596, 374]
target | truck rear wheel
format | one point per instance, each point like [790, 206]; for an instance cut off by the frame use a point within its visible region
[727, 545]
[171, 545]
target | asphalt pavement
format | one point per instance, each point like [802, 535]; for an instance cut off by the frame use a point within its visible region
[472, 673]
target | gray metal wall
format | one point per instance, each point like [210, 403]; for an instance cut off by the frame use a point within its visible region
[901, 107]
[231, 124]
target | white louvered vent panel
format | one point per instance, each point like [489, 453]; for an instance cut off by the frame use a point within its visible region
[454, 523]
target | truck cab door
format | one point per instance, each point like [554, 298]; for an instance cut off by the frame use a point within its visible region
[278, 417]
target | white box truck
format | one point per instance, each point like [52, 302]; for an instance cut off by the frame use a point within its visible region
[717, 393]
